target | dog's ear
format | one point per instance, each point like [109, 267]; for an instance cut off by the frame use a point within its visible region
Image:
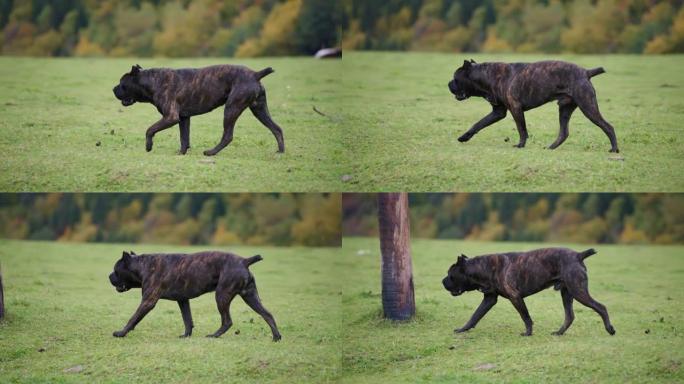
[135, 69]
[126, 257]
[133, 253]
[461, 261]
[472, 61]
[466, 64]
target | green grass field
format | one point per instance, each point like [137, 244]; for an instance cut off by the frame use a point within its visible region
[401, 126]
[640, 285]
[58, 298]
[55, 111]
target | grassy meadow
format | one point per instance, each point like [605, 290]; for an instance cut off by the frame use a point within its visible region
[640, 285]
[61, 312]
[63, 129]
[401, 126]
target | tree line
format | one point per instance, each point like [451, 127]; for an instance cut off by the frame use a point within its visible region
[219, 219]
[246, 28]
[582, 218]
[548, 26]
[172, 28]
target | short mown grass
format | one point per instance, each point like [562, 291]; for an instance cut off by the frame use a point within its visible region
[62, 129]
[61, 312]
[640, 285]
[402, 125]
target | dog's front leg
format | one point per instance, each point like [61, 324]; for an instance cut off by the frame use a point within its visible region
[184, 306]
[519, 117]
[519, 304]
[164, 123]
[184, 126]
[487, 303]
[143, 309]
[498, 112]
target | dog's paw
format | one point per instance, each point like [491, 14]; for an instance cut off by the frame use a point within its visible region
[464, 138]
[611, 330]
[148, 145]
[276, 338]
[209, 152]
[614, 150]
[119, 334]
[519, 145]
[183, 336]
[461, 330]
[526, 334]
[557, 333]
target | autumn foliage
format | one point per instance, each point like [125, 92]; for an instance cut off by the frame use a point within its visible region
[578, 218]
[221, 219]
[174, 28]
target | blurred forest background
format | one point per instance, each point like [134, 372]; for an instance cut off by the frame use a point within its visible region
[579, 218]
[550, 26]
[174, 28]
[307, 219]
[247, 28]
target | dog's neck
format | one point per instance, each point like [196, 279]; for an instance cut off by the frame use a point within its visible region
[478, 274]
[134, 265]
[484, 83]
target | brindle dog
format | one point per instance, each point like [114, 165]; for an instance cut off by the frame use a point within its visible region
[182, 277]
[516, 275]
[519, 87]
[179, 94]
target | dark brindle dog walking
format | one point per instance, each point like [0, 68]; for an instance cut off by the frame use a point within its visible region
[516, 275]
[183, 277]
[519, 87]
[179, 94]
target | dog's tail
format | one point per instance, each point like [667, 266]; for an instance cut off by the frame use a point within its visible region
[584, 254]
[595, 71]
[263, 73]
[251, 260]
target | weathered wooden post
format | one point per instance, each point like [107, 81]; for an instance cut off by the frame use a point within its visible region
[398, 302]
[2, 299]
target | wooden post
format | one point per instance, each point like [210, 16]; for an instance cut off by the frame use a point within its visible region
[398, 302]
[2, 299]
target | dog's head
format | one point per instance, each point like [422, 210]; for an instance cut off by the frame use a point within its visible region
[129, 89]
[456, 280]
[124, 277]
[461, 85]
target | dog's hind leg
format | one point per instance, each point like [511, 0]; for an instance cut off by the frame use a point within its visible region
[520, 306]
[498, 113]
[224, 296]
[487, 303]
[578, 288]
[251, 297]
[586, 100]
[569, 313]
[260, 110]
[184, 126]
[184, 306]
[235, 105]
[565, 109]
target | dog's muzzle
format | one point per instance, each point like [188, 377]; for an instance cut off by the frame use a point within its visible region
[122, 288]
[125, 101]
[460, 95]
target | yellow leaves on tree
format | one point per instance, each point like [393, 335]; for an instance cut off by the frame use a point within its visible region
[277, 34]
[186, 32]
